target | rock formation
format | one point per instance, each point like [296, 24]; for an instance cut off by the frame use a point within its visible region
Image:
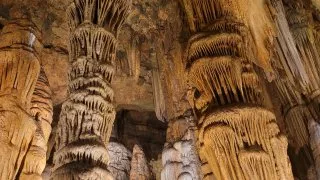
[209, 89]
[297, 62]
[41, 104]
[139, 165]
[180, 157]
[26, 113]
[87, 116]
[119, 161]
[238, 137]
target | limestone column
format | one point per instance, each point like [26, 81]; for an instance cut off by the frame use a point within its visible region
[298, 56]
[301, 26]
[238, 136]
[22, 139]
[88, 114]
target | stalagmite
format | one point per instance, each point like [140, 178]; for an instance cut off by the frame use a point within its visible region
[180, 158]
[139, 165]
[314, 130]
[120, 159]
[87, 116]
[237, 135]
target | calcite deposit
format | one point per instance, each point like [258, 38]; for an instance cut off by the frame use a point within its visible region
[160, 89]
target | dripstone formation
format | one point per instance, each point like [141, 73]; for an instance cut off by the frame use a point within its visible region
[25, 112]
[160, 89]
[238, 137]
[87, 116]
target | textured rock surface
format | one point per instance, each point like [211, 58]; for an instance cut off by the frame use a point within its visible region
[226, 93]
[143, 128]
[139, 165]
[150, 78]
[88, 114]
[25, 127]
[180, 157]
[120, 161]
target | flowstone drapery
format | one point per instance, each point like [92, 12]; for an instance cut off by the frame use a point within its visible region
[23, 129]
[41, 104]
[87, 116]
[238, 137]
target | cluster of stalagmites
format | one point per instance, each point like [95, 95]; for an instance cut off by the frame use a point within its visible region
[87, 116]
[25, 102]
[238, 138]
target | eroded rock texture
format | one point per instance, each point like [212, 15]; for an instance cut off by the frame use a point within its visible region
[297, 61]
[238, 137]
[24, 127]
[180, 158]
[87, 116]
[119, 161]
[234, 44]
[314, 130]
[139, 165]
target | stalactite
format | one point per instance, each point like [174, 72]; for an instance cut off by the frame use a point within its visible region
[139, 165]
[204, 14]
[23, 146]
[158, 94]
[286, 49]
[87, 116]
[298, 62]
[41, 104]
[300, 22]
[295, 113]
[237, 134]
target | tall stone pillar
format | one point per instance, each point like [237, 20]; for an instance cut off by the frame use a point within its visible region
[22, 138]
[238, 137]
[298, 57]
[88, 114]
[23, 130]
